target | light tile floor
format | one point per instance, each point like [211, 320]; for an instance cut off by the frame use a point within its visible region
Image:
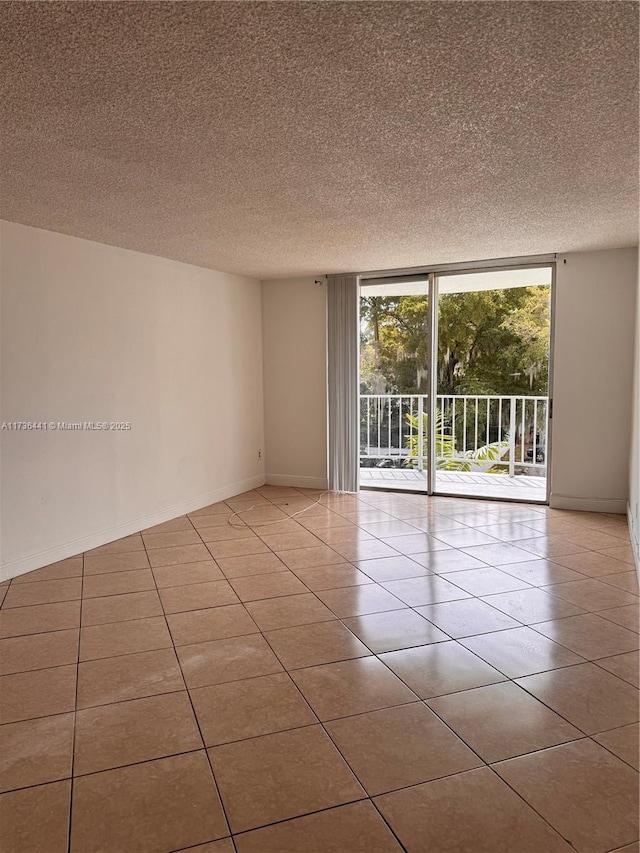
[379, 673]
[521, 487]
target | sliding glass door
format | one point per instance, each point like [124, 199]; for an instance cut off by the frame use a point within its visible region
[395, 358]
[454, 383]
[492, 375]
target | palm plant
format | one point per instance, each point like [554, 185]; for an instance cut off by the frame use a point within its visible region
[485, 459]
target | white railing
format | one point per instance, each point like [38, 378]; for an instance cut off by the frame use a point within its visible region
[394, 426]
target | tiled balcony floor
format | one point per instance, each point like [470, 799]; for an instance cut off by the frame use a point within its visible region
[381, 673]
[519, 488]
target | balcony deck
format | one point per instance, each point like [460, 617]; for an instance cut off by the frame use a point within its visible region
[392, 426]
[520, 488]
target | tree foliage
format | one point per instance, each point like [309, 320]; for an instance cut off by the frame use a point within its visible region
[489, 342]
[485, 459]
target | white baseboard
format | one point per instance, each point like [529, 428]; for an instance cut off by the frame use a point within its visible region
[635, 540]
[612, 505]
[297, 482]
[93, 540]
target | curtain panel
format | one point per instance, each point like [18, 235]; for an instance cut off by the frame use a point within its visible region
[343, 391]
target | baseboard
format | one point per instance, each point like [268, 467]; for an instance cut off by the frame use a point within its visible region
[102, 537]
[612, 505]
[635, 540]
[296, 482]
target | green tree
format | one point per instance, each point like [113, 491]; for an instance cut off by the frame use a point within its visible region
[489, 342]
[394, 344]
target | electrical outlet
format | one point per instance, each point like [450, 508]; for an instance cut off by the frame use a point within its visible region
[259, 454]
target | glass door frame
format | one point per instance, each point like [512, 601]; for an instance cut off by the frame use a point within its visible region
[432, 383]
[432, 274]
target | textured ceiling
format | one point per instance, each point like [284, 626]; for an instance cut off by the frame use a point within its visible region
[302, 137]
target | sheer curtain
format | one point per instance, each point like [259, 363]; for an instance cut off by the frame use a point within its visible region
[342, 363]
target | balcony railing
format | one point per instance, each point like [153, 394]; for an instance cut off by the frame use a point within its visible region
[393, 430]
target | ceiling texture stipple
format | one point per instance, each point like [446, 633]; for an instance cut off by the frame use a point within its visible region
[283, 139]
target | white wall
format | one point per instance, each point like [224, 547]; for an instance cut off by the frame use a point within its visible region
[634, 467]
[592, 387]
[594, 334]
[96, 333]
[295, 381]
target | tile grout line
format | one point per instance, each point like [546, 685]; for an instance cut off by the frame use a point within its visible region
[335, 746]
[530, 805]
[193, 710]
[286, 672]
[604, 746]
[319, 721]
[75, 716]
